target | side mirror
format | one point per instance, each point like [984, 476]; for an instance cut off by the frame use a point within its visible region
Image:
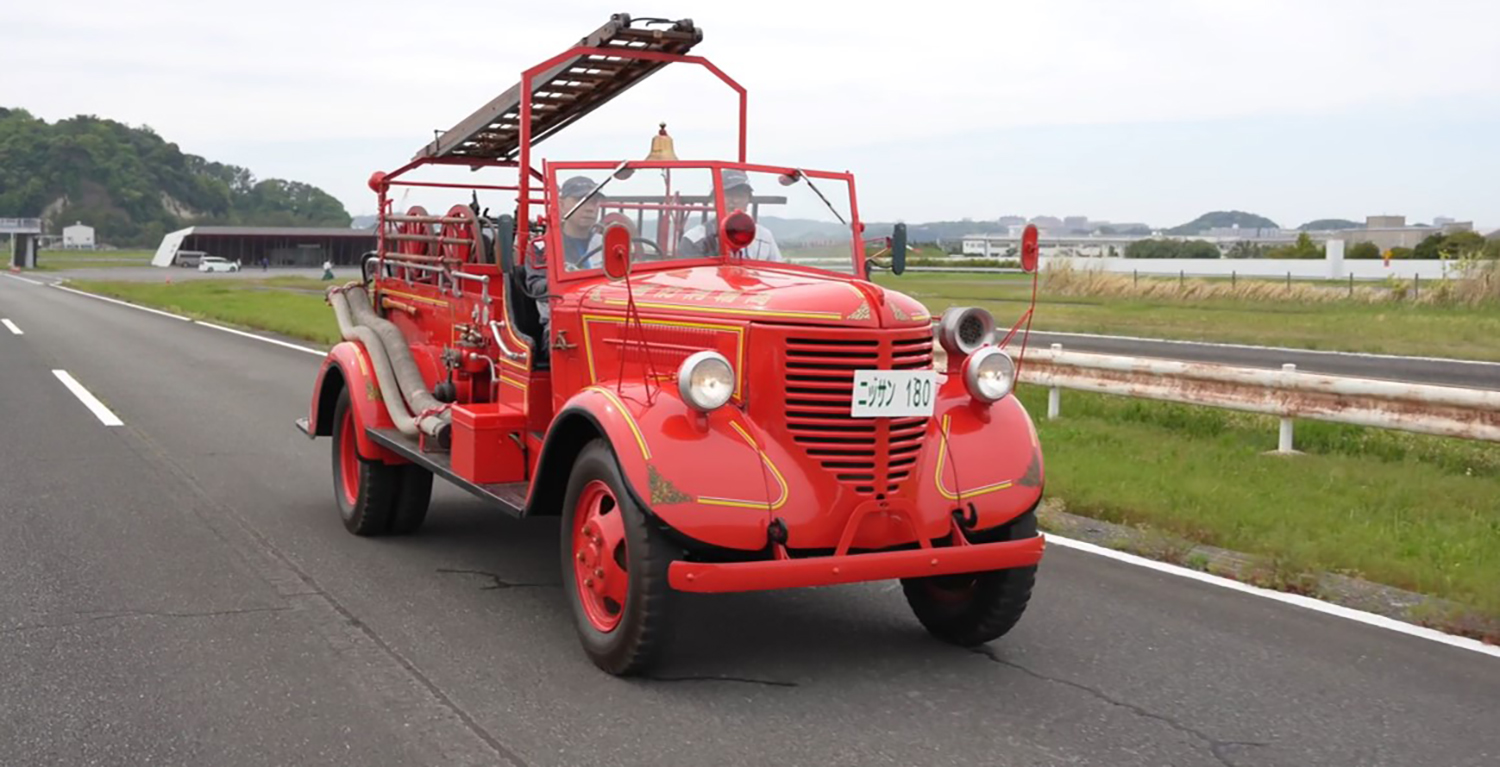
[898, 249]
[1030, 250]
[616, 252]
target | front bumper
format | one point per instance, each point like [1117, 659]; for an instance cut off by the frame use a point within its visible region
[718, 578]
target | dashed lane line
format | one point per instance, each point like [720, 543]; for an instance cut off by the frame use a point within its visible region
[11, 326]
[100, 411]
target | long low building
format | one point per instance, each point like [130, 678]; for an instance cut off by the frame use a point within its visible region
[279, 245]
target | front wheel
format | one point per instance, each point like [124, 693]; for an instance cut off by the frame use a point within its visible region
[969, 609]
[374, 498]
[614, 567]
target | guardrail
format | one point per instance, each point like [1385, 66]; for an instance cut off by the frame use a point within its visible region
[1447, 411]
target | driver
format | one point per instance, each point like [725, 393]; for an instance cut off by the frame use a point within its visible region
[702, 240]
[581, 241]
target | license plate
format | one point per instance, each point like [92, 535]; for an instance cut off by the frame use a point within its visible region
[893, 393]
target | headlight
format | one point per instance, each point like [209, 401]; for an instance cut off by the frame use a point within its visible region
[964, 329]
[705, 380]
[990, 374]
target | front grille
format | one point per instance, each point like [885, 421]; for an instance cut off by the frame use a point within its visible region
[874, 456]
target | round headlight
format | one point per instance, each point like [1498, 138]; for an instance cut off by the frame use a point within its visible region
[964, 329]
[990, 374]
[705, 380]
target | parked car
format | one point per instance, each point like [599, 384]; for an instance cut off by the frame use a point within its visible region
[189, 258]
[217, 264]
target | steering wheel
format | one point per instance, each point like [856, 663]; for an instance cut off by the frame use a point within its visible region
[642, 240]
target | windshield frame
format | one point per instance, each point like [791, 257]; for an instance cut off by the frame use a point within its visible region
[553, 171]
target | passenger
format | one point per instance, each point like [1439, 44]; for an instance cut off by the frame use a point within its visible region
[703, 241]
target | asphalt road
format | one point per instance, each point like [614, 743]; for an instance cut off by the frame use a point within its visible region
[178, 590]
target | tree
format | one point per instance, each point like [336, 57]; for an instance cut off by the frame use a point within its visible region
[1463, 245]
[1304, 248]
[1364, 250]
[1431, 248]
[1247, 249]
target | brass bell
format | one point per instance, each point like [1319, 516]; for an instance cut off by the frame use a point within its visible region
[661, 146]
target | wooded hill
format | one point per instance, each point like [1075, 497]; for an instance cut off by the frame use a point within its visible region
[133, 186]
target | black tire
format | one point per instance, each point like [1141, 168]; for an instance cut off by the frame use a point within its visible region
[412, 500]
[634, 644]
[970, 609]
[376, 486]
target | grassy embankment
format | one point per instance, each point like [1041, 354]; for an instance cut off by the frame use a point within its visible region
[1378, 319]
[1410, 511]
[290, 306]
[63, 260]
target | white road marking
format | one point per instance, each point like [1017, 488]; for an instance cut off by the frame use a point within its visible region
[1264, 348]
[11, 326]
[1297, 600]
[22, 279]
[98, 408]
[123, 303]
[259, 338]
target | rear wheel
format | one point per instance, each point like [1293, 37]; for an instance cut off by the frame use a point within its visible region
[970, 609]
[614, 567]
[374, 498]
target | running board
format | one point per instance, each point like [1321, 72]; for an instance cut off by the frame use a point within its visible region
[510, 497]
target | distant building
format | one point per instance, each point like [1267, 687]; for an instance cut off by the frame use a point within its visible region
[78, 237]
[1388, 232]
[1251, 233]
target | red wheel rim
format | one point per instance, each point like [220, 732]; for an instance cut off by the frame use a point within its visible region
[348, 461]
[600, 568]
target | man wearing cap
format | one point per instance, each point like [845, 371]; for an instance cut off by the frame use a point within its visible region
[582, 244]
[703, 240]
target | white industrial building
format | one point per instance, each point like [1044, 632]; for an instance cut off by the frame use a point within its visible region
[78, 237]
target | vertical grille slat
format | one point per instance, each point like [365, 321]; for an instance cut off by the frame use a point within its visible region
[871, 456]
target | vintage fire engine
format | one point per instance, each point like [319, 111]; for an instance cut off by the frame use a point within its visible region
[629, 350]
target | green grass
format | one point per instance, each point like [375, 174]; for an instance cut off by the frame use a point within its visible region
[1410, 511]
[1389, 328]
[62, 260]
[257, 304]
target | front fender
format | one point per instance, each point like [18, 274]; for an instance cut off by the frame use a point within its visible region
[348, 366]
[987, 455]
[700, 474]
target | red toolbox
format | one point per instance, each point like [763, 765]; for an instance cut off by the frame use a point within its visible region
[483, 448]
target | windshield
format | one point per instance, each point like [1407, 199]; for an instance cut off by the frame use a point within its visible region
[672, 214]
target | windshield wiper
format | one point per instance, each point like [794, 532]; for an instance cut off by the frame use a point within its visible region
[803, 175]
[595, 190]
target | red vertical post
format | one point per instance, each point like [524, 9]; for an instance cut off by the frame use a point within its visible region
[857, 229]
[524, 201]
[744, 115]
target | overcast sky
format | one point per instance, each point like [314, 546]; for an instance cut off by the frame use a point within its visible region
[1150, 110]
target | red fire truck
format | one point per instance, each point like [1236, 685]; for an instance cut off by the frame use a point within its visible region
[628, 347]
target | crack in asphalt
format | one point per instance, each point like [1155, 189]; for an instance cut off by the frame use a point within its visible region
[739, 679]
[116, 615]
[498, 582]
[1219, 748]
[159, 457]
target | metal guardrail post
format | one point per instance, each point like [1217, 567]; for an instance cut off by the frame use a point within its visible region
[1054, 395]
[1284, 444]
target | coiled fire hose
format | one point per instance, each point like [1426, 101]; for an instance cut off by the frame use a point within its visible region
[395, 369]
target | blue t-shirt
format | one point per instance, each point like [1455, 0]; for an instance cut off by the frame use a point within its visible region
[574, 249]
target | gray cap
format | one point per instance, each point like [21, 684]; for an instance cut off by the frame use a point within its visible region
[734, 178]
[577, 186]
